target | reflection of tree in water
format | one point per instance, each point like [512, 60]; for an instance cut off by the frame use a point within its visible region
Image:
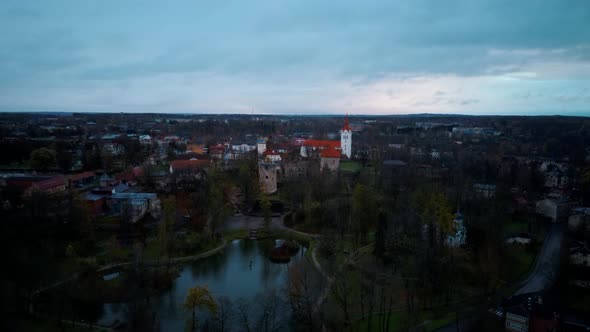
[248, 248]
[211, 265]
[90, 310]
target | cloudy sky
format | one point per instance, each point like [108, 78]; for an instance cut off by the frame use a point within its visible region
[218, 56]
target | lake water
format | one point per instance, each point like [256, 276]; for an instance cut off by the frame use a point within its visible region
[227, 274]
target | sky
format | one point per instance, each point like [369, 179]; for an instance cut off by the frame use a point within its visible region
[296, 57]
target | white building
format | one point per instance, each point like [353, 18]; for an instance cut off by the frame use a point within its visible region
[460, 236]
[261, 146]
[346, 139]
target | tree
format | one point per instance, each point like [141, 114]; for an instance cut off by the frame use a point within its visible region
[166, 225]
[226, 312]
[217, 207]
[42, 158]
[199, 297]
[364, 210]
[266, 212]
[380, 234]
[302, 293]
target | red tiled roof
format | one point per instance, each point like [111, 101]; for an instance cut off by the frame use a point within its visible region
[188, 164]
[137, 171]
[81, 176]
[330, 153]
[53, 182]
[270, 152]
[322, 143]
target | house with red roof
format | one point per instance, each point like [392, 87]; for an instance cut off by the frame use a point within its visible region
[52, 185]
[188, 173]
[188, 167]
[271, 156]
[330, 159]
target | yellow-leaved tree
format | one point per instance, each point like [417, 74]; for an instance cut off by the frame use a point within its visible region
[199, 297]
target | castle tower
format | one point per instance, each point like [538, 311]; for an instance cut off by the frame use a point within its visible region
[346, 138]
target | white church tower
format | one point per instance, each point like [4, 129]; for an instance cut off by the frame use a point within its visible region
[346, 138]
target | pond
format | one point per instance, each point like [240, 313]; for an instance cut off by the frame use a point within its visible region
[243, 272]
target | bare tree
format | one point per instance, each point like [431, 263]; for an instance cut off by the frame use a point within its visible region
[301, 293]
[225, 312]
[244, 313]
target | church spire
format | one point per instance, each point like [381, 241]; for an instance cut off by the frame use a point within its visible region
[346, 126]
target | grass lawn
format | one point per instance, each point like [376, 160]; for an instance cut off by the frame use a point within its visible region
[51, 326]
[399, 321]
[350, 166]
[151, 250]
[514, 227]
[235, 234]
[517, 262]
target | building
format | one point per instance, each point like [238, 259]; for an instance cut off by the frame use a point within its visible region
[484, 190]
[81, 180]
[25, 185]
[267, 176]
[271, 156]
[555, 207]
[261, 146]
[187, 174]
[115, 203]
[330, 160]
[188, 168]
[459, 237]
[346, 139]
[106, 180]
[312, 147]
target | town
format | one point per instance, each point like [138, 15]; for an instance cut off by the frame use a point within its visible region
[147, 222]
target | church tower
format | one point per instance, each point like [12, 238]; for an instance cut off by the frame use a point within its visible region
[346, 138]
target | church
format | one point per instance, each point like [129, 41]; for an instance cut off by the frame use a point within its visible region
[343, 149]
[327, 152]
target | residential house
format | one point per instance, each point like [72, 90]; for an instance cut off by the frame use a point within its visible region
[81, 180]
[106, 180]
[579, 219]
[484, 190]
[555, 207]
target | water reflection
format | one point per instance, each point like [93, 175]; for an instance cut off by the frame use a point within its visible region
[242, 271]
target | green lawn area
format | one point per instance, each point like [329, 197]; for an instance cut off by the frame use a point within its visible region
[151, 250]
[235, 234]
[350, 166]
[517, 261]
[399, 321]
[51, 326]
[514, 227]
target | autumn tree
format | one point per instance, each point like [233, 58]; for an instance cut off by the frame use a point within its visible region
[43, 159]
[199, 297]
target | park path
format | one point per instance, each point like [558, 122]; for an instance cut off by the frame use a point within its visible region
[107, 267]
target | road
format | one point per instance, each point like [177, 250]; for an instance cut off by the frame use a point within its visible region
[547, 264]
[542, 277]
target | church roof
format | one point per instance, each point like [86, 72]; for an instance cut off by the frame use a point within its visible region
[346, 125]
[330, 153]
[322, 143]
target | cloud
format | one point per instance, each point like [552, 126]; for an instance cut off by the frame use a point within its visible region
[324, 55]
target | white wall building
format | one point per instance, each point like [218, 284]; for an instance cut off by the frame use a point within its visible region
[346, 139]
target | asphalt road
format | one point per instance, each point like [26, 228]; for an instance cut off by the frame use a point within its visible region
[542, 277]
[547, 264]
